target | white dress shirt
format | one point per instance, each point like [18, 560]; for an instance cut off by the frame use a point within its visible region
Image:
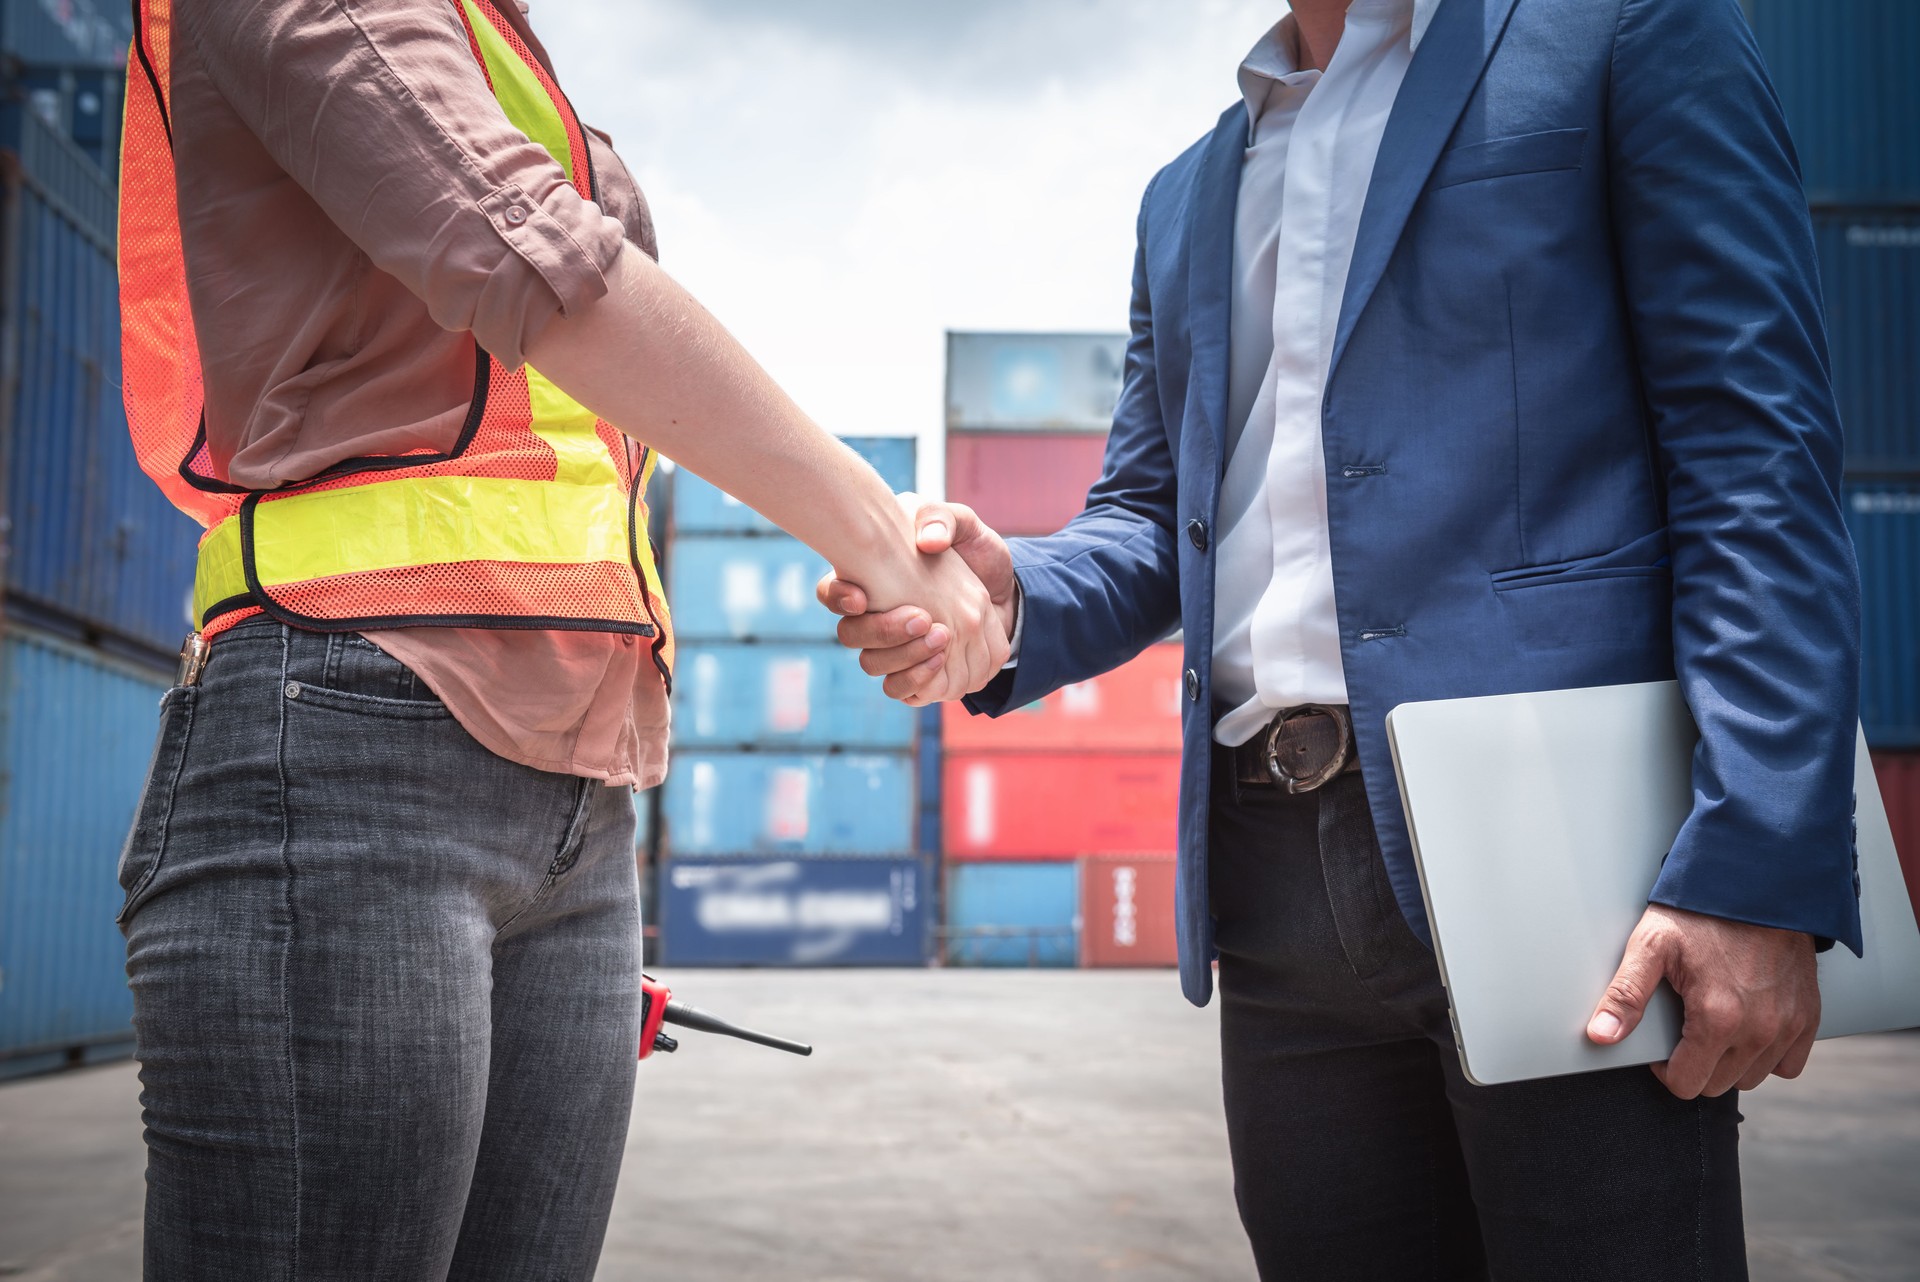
[1303, 182]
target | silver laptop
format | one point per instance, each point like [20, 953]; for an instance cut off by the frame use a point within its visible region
[1539, 822]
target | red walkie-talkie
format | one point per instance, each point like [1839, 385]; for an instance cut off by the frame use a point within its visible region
[657, 1007]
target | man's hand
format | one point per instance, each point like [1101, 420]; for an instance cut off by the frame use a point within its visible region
[904, 645]
[1750, 996]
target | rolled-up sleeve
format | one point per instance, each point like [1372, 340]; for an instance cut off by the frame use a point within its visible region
[381, 113]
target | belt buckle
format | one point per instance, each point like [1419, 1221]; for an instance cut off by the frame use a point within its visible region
[1334, 765]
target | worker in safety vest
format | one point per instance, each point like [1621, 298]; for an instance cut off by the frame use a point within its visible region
[394, 334]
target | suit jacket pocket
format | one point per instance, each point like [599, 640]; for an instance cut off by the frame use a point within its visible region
[1504, 157]
[1643, 557]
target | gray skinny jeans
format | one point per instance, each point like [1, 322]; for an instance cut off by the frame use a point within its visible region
[386, 984]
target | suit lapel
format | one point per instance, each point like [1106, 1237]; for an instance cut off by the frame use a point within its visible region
[1444, 72]
[1210, 265]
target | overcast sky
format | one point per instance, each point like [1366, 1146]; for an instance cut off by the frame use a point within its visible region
[842, 181]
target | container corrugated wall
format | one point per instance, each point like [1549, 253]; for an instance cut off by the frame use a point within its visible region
[1024, 484]
[762, 803]
[1135, 707]
[1126, 912]
[775, 695]
[1899, 777]
[1010, 382]
[1049, 805]
[1870, 273]
[1013, 914]
[1884, 519]
[65, 31]
[1845, 72]
[94, 549]
[745, 588]
[76, 741]
[794, 912]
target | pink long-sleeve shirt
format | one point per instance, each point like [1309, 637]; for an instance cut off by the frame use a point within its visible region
[344, 176]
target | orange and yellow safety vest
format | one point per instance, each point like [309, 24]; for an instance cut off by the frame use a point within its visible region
[533, 519]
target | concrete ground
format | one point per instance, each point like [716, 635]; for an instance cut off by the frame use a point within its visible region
[956, 1126]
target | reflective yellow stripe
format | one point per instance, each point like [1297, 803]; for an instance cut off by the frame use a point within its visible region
[436, 520]
[219, 574]
[568, 426]
[519, 91]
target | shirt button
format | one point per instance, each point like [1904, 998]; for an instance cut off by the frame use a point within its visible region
[1197, 533]
[516, 215]
[1193, 686]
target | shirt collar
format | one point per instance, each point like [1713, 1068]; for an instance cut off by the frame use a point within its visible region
[1276, 57]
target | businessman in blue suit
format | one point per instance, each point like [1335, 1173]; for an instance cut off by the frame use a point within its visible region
[1477, 349]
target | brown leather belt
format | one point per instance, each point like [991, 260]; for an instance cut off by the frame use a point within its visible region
[1300, 750]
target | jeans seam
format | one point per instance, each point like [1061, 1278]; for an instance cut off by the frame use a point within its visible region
[286, 954]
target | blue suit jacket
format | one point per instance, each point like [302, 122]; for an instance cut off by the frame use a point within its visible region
[1578, 431]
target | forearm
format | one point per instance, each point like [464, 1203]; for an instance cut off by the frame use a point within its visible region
[1718, 268]
[1092, 596]
[650, 359]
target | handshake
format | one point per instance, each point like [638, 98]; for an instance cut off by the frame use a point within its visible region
[947, 635]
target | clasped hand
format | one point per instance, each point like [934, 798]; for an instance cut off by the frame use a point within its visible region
[946, 635]
[927, 656]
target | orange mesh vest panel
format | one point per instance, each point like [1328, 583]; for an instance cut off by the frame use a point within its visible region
[533, 519]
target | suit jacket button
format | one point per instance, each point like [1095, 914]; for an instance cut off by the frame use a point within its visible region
[1193, 686]
[1197, 533]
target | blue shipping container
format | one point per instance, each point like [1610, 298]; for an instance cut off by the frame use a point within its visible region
[1844, 70]
[1013, 914]
[65, 31]
[776, 695]
[930, 758]
[1870, 273]
[1884, 520]
[701, 508]
[89, 537]
[76, 742]
[794, 912]
[738, 587]
[785, 803]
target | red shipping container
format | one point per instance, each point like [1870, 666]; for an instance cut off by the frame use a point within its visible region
[1899, 775]
[1134, 708]
[1033, 805]
[1126, 912]
[1021, 483]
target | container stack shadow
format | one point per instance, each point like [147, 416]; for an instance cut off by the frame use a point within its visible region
[98, 564]
[1845, 78]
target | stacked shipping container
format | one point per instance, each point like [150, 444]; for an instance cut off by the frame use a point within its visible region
[1059, 817]
[789, 828]
[98, 565]
[1844, 72]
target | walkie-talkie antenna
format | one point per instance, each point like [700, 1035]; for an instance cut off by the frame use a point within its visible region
[678, 1012]
[658, 1008]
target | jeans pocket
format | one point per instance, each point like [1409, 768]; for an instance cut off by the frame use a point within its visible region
[146, 847]
[357, 676]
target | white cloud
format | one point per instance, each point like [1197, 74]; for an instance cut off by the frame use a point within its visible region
[841, 181]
